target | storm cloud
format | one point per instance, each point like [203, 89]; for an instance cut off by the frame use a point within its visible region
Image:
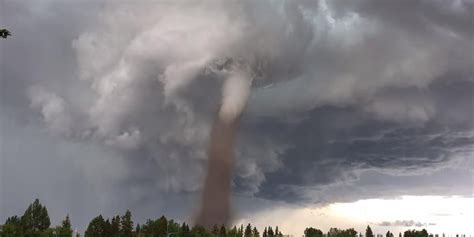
[343, 93]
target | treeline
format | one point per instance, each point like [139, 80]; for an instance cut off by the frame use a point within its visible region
[335, 232]
[35, 222]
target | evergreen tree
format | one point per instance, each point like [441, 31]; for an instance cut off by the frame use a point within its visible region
[265, 233]
[270, 232]
[96, 227]
[161, 227]
[108, 231]
[233, 232]
[185, 232]
[277, 232]
[248, 231]
[199, 231]
[240, 232]
[35, 219]
[173, 228]
[137, 229]
[255, 232]
[127, 224]
[415, 233]
[349, 233]
[389, 234]
[65, 230]
[368, 232]
[222, 231]
[215, 230]
[12, 227]
[115, 226]
[312, 232]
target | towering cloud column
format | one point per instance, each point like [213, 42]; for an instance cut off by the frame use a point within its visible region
[216, 196]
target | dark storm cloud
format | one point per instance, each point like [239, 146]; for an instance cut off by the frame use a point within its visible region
[341, 89]
[335, 143]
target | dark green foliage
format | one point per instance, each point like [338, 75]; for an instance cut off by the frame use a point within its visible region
[312, 232]
[108, 228]
[240, 231]
[368, 232]
[65, 230]
[277, 232]
[115, 226]
[255, 232]
[248, 231]
[137, 229]
[270, 232]
[185, 231]
[233, 232]
[173, 228]
[199, 231]
[96, 228]
[415, 233]
[12, 227]
[35, 220]
[215, 230]
[222, 231]
[162, 227]
[335, 232]
[389, 234]
[127, 225]
[155, 228]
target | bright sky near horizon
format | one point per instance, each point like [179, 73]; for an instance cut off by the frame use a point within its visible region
[450, 215]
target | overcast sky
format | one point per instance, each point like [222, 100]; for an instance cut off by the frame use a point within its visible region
[107, 106]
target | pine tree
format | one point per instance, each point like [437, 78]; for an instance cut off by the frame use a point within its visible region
[108, 228]
[35, 219]
[115, 226]
[368, 232]
[12, 227]
[65, 230]
[215, 230]
[233, 232]
[255, 232]
[222, 231]
[312, 232]
[96, 227]
[240, 232]
[137, 229]
[185, 232]
[162, 227]
[127, 224]
[270, 232]
[265, 233]
[248, 231]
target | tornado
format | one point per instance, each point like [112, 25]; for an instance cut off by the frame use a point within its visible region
[215, 206]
